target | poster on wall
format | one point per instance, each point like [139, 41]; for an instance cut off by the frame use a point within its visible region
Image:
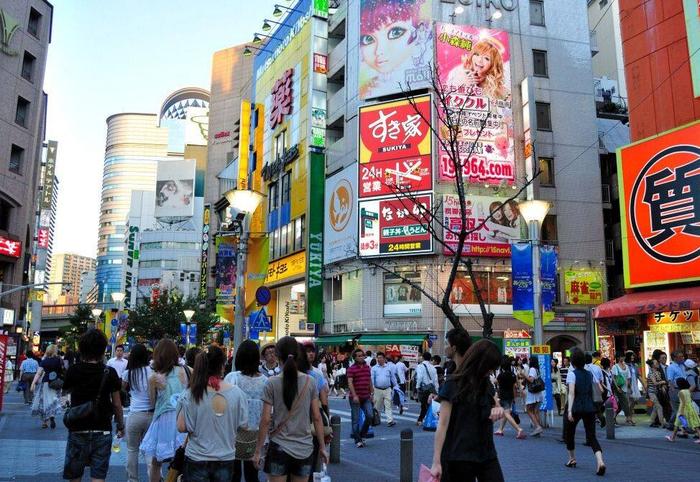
[659, 181]
[396, 46]
[474, 68]
[394, 226]
[340, 227]
[175, 189]
[583, 287]
[395, 147]
[402, 298]
[491, 238]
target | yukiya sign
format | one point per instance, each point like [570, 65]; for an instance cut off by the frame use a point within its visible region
[508, 5]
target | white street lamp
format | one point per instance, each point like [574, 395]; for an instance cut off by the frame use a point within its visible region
[96, 312]
[245, 201]
[188, 314]
[534, 213]
[118, 297]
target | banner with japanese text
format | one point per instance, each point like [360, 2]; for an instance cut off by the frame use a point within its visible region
[395, 226]
[583, 287]
[396, 46]
[523, 292]
[548, 280]
[395, 147]
[491, 238]
[474, 68]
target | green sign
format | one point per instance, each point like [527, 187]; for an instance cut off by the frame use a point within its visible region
[692, 27]
[314, 277]
[321, 8]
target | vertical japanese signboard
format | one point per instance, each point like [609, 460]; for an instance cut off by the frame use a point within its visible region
[474, 68]
[314, 272]
[395, 226]
[395, 148]
[48, 175]
[204, 260]
[660, 198]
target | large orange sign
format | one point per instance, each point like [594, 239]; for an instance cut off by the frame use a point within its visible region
[660, 194]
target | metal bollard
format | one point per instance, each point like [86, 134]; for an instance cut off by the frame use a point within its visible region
[609, 422]
[335, 441]
[406, 467]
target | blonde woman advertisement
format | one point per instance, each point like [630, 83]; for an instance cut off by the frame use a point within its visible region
[396, 46]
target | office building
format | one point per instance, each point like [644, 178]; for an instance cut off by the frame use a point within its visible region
[68, 268]
[87, 282]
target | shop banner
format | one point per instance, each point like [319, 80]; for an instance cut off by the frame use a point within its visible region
[48, 175]
[674, 321]
[291, 266]
[395, 148]
[396, 46]
[583, 287]
[395, 226]
[659, 181]
[523, 301]
[315, 218]
[494, 237]
[204, 258]
[548, 279]
[340, 228]
[546, 374]
[606, 346]
[474, 68]
[225, 270]
[517, 347]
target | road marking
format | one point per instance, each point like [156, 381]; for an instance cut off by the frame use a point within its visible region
[349, 414]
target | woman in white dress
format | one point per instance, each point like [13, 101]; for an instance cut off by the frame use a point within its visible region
[534, 399]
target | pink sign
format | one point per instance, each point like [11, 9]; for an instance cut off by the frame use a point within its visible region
[474, 68]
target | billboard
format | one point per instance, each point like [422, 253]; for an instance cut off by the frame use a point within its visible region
[583, 287]
[660, 199]
[474, 69]
[175, 189]
[396, 46]
[340, 227]
[226, 263]
[491, 238]
[394, 226]
[395, 147]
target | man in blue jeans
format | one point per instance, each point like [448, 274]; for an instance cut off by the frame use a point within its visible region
[361, 394]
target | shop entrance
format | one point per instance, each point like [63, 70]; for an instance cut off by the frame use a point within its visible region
[563, 343]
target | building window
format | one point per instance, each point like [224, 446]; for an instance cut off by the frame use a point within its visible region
[337, 288]
[28, 66]
[299, 232]
[284, 239]
[273, 202]
[34, 23]
[537, 12]
[16, 159]
[5, 210]
[546, 171]
[549, 228]
[544, 116]
[539, 58]
[279, 144]
[22, 112]
[286, 187]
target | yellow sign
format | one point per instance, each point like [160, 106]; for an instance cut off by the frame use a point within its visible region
[674, 327]
[583, 287]
[288, 267]
[36, 295]
[540, 350]
[673, 317]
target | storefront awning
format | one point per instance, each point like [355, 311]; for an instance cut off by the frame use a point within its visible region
[334, 340]
[391, 339]
[643, 302]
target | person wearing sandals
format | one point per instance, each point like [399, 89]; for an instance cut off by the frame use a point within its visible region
[687, 418]
[580, 406]
[47, 402]
[507, 392]
[622, 376]
[166, 383]
[288, 400]
[533, 400]
[210, 412]
[251, 381]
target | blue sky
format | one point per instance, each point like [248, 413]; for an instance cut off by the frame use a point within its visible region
[111, 56]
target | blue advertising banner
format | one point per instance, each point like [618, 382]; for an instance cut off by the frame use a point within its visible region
[548, 278]
[193, 334]
[183, 333]
[546, 374]
[523, 300]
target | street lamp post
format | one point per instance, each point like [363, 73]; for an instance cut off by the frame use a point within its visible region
[245, 201]
[188, 316]
[96, 312]
[534, 213]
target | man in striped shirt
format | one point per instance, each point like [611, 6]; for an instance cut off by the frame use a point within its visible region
[361, 394]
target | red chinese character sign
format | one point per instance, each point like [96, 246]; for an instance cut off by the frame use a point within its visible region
[395, 148]
[485, 238]
[474, 68]
[660, 185]
[10, 247]
[281, 98]
[43, 238]
[394, 226]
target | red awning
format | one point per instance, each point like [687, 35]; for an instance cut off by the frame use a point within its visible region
[643, 302]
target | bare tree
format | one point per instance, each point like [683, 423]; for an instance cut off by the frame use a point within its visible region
[447, 131]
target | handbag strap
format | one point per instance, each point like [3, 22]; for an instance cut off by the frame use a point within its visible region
[292, 411]
[102, 386]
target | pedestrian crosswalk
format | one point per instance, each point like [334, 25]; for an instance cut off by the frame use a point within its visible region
[345, 416]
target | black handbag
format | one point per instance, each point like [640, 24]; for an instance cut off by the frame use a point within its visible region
[376, 418]
[85, 412]
[536, 385]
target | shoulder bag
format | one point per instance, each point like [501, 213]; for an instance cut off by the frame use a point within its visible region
[56, 378]
[85, 412]
[536, 385]
[427, 387]
[290, 414]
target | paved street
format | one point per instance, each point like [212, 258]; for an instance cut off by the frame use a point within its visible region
[638, 453]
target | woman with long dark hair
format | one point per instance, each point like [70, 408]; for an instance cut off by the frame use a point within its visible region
[251, 381]
[135, 381]
[464, 437]
[533, 398]
[165, 384]
[293, 396]
[580, 406]
[210, 412]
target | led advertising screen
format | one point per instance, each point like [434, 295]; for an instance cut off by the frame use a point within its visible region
[474, 69]
[175, 189]
[396, 46]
